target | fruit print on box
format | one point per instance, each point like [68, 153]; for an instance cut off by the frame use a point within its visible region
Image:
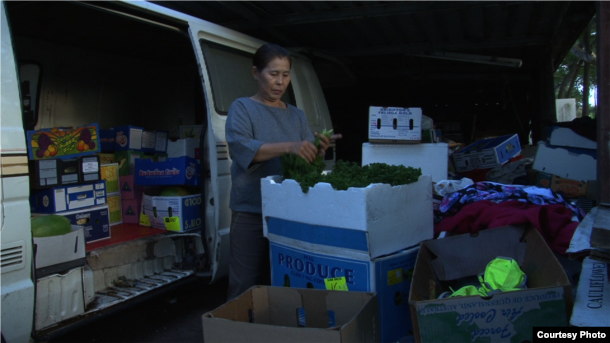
[63, 143]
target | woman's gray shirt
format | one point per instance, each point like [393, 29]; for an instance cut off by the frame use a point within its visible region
[250, 124]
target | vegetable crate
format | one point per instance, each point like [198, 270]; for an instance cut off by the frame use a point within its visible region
[376, 220]
[63, 142]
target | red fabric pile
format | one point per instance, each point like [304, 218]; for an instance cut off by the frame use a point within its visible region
[554, 222]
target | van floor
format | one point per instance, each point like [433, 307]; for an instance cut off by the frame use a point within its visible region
[174, 316]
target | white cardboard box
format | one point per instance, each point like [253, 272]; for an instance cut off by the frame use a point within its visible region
[563, 163]
[182, 147]
[59, 249]
[395, 124]
[592, 303]
[388, 218]
[59, 297]
[562, 136]
[432, 158]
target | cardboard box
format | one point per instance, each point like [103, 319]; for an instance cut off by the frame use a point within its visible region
[65, 142]
[183, 147]
[379, 218]
[592, 303]
[395, 125]
[59, 297]
[45, 173]
[58, 250]
[295, 265]
[567, 188]
[128, 138]
[278, 314]
[173, 213]
[90, 169]
[568, 163]
[66, 198]
[563, 136]
[432, 158]
[127, 160]
[503, 317]
[94, 220]
[115, 209]
[131, 210]
[173, 171]
[107, 140]
[486, 153]
[129, 189]
[106, 158]
[110, 174]
[161, 138]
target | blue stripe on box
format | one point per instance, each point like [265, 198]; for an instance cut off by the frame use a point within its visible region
[317, 234]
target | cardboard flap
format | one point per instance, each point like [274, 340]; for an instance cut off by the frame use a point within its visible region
[451, 263]
[283, 306]
[345, 305]
[316, 312]
[260, 305]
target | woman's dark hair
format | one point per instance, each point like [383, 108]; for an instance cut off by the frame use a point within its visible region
[268, 52]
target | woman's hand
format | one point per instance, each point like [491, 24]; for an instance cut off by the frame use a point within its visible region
[325, 142]
[305, 149]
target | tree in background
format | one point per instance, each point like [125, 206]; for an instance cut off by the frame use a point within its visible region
[577, 74]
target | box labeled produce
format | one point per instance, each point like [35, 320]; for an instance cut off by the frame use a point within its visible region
[107, 140]
[279, 315]
[294, 265]
[63, 142]
[128, 137]
[173, 213]
[94, 220]
[115, 209]
[385, 219]
[173, 171]
[65, 198]
[395, 124]
[127, 160]
[486, 153]
[110, 174]
[131, 210]
[507, 316]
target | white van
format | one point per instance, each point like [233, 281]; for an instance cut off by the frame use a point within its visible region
[67, 64]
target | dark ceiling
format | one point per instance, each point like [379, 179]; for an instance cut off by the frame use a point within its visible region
[387, 39]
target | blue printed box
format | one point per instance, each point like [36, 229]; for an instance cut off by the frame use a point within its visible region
[486, 153]
[172, 213]
[128, 137]
[67, 198]
[306, 258]
[107, 138]
[173, 171]
[94, 220]
[63, 142]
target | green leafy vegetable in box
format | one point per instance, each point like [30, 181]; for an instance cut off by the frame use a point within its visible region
[345, 174]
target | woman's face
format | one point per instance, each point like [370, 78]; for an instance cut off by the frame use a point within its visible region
[273, 79]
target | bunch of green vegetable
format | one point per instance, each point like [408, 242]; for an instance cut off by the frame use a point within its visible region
[349, 174]
[294, 165]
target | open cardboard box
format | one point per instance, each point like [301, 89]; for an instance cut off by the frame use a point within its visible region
[503, 317]
[280, 314]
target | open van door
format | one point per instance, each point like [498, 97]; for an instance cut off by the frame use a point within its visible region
[17, 285]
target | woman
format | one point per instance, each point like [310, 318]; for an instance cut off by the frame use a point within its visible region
[259, 129]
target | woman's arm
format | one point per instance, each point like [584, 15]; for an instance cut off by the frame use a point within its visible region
[268, 151]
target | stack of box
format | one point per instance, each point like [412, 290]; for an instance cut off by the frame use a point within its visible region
[567, 163]
[395, 136]
[368, 236]
[180, 210]
[67, 180]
